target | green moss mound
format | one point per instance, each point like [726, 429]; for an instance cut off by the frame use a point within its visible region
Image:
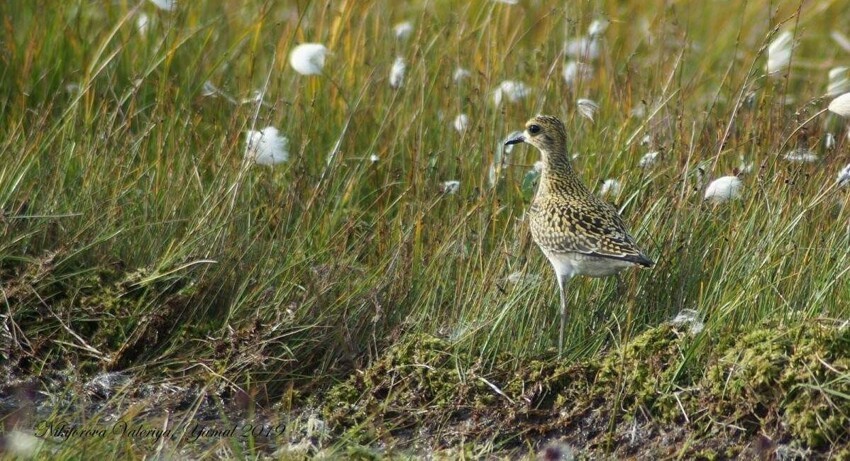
[648, 372]
[788, 386]
[419, 382]
[790, 381]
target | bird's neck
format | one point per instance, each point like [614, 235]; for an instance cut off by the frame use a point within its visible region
[558, 175]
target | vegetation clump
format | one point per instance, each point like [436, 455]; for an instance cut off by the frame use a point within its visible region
[112, 316]
[647, 372]
[420, 382]
[786, 380]
[789, 384]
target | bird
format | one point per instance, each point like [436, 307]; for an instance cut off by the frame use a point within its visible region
[578, 232]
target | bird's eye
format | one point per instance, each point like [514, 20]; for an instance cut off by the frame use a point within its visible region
[534, 129]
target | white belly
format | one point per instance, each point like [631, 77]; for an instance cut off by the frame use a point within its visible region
[570, 264]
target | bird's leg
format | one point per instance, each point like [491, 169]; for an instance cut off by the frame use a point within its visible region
[562, 280]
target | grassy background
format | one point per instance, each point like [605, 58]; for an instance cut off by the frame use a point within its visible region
[135, 238]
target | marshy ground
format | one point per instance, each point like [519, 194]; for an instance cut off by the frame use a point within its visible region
[180, 280]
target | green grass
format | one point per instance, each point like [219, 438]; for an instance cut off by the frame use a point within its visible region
[135, 238]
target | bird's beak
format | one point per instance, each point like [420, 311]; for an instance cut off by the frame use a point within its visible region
[515, 140]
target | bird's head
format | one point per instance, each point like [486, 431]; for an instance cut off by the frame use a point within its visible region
[544, 132]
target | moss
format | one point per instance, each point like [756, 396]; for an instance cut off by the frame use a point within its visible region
[420, 381]
[461, 451]
[548, 384]
[707, 454]
[749, 370]
[795, 377]
[842, 455]
[816, 382]
[646, 372]
[101, 299]
[120, 314]
[789, 384]
[362, 453]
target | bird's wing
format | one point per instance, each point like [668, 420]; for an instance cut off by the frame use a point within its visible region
[587, 227]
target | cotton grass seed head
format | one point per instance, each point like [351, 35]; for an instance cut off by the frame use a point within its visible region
[744, 166]
[698, 173]
[584, 48]
[587, 108]
[844, 176]
[801, 155]
[638, 111]
[839, 81]
[461, 123]
[142, 23]
[266, 147]
[723, 189]
[779, 53]
[492, 174]
[598, 27]
[460, 74]
[403, 30]
[829, 142]
[255, 97]
[610, 187]
[689, 317]
[518, 277]
[511, 90]
[308, 58]
[397, 73]
[497, 97]
[450, 187]
[165, 5]
[209, 90]
[500, 157]
[575, 72]
[841, 105]
[648, 160]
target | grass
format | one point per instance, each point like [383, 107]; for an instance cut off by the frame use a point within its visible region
[135, 239]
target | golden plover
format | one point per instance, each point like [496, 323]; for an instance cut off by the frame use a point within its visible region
[578, 232]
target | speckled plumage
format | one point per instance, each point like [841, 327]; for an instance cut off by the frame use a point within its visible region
[578, 232]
